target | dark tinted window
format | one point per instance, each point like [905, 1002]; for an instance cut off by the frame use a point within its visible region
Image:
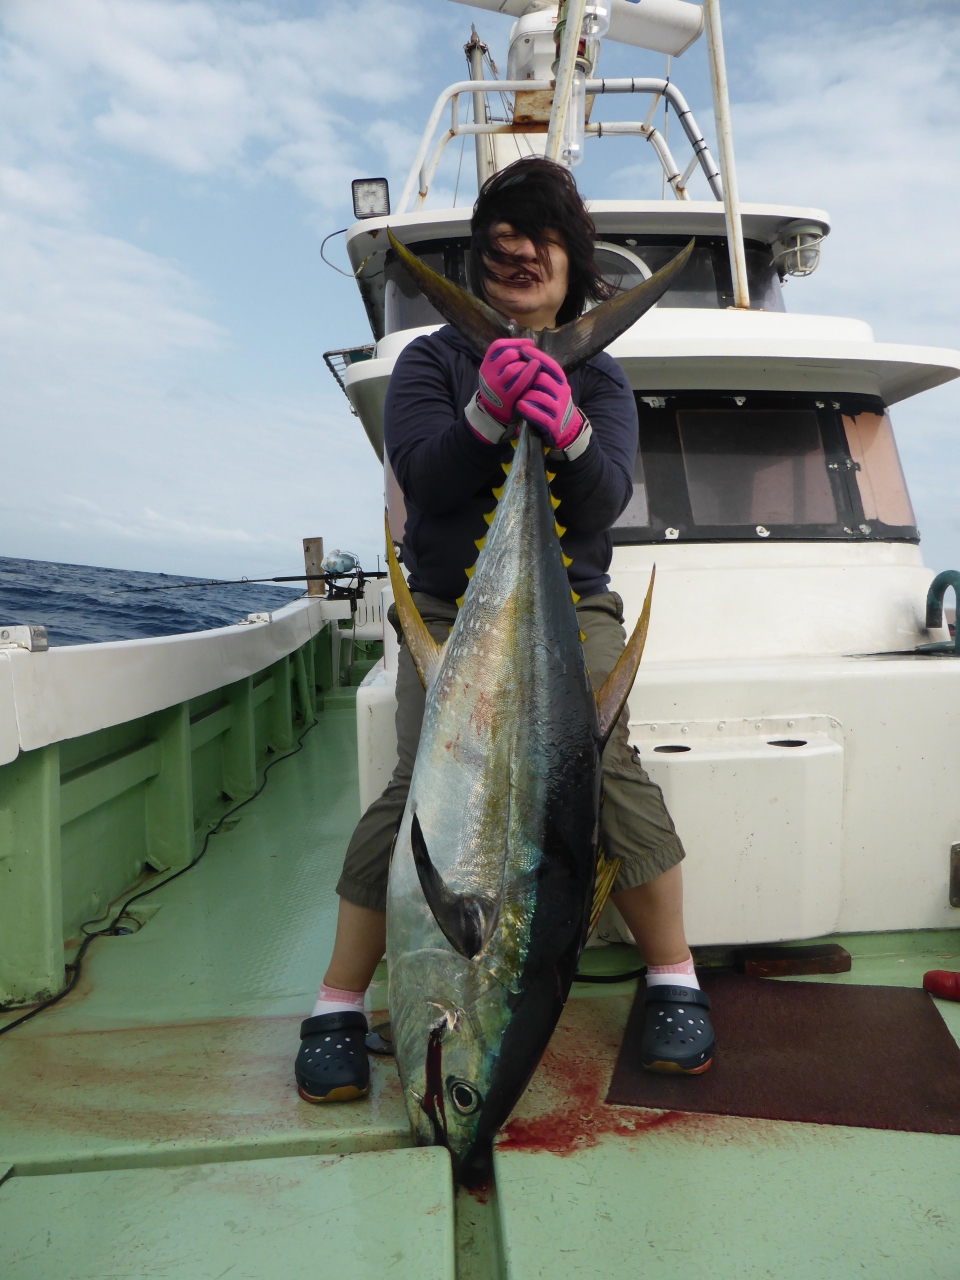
[404, 305]
[714, 466]
[755, 466]
[706, 281]
[394, 303]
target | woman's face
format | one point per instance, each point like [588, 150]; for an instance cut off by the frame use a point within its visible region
[522, 289]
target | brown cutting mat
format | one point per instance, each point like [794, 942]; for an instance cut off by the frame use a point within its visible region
[870, 1057]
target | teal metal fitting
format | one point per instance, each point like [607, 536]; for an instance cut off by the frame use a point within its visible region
[938, 588]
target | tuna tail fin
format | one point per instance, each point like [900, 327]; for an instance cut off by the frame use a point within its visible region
[466, 921]
[576, 342]
[614, 691]
[423, 648]
[471, 318]
[573, 344]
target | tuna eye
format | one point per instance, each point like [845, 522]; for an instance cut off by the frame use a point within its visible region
[464, 1097]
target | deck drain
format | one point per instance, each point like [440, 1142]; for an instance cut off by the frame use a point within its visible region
[671, 747]
[788, 742]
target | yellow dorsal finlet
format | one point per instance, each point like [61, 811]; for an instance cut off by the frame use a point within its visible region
[567, 560]
[574, 597]
[560, 529]
[497, 493]
[506, 468]
[551, 476]
[459, 604]
[469, 571]
[554, 502]
[479, 543]
[583, 639]
[488, 515]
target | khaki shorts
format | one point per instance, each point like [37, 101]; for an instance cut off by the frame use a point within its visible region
[634, 824]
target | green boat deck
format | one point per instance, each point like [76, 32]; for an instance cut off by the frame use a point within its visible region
[150, 1125]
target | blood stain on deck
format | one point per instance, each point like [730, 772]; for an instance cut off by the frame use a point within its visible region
[563, 1109]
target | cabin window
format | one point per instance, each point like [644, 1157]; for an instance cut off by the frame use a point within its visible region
[755, 466]
[404, 306]
[720, 466]
[883, 490]
[636, 514]
[705, 282]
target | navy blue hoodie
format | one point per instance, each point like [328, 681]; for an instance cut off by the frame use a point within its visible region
[447, 473]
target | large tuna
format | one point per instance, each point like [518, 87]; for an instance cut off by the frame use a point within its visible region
[493, 874]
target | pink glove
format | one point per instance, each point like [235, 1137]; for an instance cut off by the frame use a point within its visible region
[548, 405]
[507, 371]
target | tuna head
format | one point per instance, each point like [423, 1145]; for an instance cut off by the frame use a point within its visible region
[449, 1018]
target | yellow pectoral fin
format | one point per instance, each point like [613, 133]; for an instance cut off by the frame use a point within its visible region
[613, 693]
[424, 650]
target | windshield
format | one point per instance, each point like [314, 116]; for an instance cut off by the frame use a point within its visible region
[718, 467]
[394, 302]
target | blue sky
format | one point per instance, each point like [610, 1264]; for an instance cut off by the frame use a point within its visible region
[168, 169]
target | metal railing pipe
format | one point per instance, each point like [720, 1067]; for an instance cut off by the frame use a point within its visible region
[721, 111]
[454, 91]
[421, 172]
[646, 84]
[624, 128]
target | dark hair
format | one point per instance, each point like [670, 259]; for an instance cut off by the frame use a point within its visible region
[536, 196]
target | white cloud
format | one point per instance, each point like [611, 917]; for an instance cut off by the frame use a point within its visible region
[120, 443]
[865, 122]
[210, 86]
[72, 295]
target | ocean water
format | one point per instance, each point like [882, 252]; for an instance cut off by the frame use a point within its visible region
[79, 604]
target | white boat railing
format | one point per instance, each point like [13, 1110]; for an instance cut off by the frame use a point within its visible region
[422, 171]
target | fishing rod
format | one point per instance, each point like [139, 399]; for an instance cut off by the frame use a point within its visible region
[330, 578]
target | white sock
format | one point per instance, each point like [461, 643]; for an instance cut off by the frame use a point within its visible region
[335, 1000]
[673, 975]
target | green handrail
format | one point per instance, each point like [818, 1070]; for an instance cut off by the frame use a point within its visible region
[938, 588]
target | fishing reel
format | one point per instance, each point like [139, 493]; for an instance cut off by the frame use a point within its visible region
[345, 578]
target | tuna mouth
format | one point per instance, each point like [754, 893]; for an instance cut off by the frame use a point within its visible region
[475, 1169]
[431, 1104]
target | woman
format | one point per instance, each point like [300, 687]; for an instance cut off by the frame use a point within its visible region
[448, 420]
